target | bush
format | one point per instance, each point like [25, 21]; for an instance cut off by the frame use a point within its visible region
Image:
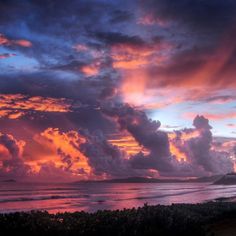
[177, 219]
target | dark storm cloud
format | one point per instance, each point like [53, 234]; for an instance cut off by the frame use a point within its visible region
[71, 66]
[12, 145]
[119, 16]
[198, 15]
[204, 33]
[45, 25]
[203, 160]
[111, 38]
[201, 25]
[13, 166]
[83, 97]
[146, 133]
[72, 44]
[200, 64]
[49, 84]
[103, 156]
[200, 146]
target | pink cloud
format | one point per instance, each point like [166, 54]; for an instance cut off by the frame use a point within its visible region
[231, 125]
[4, 40]
[212, 116]
[91, 69]
[80, 47]
[19, 42]
[23, 43]
[7, 55]
[151, 20]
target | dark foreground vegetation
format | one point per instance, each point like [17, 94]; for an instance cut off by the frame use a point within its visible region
[180, 219]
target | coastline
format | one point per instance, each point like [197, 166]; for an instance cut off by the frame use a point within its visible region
[176, 219]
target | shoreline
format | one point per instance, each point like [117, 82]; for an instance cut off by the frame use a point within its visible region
[230, 199]
[176, 219]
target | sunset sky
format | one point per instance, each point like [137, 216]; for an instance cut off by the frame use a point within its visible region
[112, 89]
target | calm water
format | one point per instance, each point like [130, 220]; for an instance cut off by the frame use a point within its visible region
[95, 196]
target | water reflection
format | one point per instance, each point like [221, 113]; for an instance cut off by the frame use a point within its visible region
[98, 196]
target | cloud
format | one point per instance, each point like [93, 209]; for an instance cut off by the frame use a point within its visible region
[213, 116]
[68, 89]
[14, 106]
[126, 143]
[116, 38]
[183, 153]
[132, 54]
[4, 40]
[80, 47]
[12, 165]
[66, 146]
[10, 42]
[7, 55]
[14, 147]
[146, 133]
[23, 43]
[92, 155]
[90, 70]
[193, 15]
[220, 99]
[231, 125]
[197, 146]
[106, 159]
[149, 19]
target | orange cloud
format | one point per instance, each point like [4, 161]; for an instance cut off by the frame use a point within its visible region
[201, 70]
[15, 115]
[133, 87]
[57, 153]
[91, 70]
[180, 156]
[146, 69]
[127, 143]
[135, 91]
[23, 43]
[4, 154]
[65, 151]
[4, 40]
[14, 106]
[20, 42]
[182, 137]
[130, 57]
[133, 62]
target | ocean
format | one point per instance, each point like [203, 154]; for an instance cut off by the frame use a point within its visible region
[91, 197]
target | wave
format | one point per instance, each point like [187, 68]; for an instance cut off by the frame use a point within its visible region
[162, 195]
[20, 193]
[38, 189]
[42, 198]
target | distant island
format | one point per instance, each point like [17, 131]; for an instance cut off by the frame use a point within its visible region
[228, 179]
[210, 179]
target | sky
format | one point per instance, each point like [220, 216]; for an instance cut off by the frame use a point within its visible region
[113, 89]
